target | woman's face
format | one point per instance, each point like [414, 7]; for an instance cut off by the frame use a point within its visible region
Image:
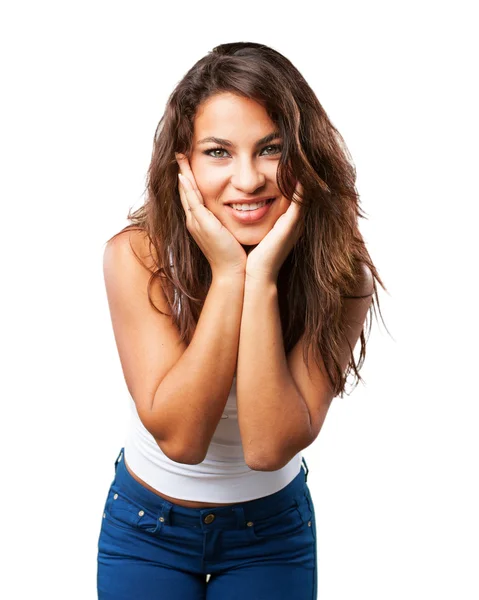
[240, 165]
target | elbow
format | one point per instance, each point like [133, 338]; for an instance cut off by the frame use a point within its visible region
[266, 462]
[181, 454]
[176, 451]
[273, 461]
[261, 466]
[187, 459]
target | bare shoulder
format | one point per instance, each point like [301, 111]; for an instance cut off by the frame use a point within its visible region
[147, 339]
[134, 243]
[129, 260]
[364, 284]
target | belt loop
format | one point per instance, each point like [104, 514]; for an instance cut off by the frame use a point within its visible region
[240, 516]
[165, 512]
[119, 457]
[306, 469]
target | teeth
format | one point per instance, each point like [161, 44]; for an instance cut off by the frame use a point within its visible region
[252, 206]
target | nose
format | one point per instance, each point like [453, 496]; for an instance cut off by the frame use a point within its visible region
[247, 177]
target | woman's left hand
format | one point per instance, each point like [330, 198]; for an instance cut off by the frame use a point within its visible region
[265, 260]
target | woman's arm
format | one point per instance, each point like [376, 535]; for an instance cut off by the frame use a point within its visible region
[190, 400]
[179, 391]
[271, 411]
[281, 404]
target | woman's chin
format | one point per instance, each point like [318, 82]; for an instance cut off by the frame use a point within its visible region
[249, 239]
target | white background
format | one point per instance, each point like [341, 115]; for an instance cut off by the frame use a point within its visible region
[394, 470]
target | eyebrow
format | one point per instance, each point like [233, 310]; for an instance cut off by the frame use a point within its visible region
[265, 140]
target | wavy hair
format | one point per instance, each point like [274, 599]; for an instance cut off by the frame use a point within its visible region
[326, 263]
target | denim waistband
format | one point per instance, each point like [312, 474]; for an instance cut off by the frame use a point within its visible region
[228, 516]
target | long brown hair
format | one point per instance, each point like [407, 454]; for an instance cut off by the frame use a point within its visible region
[325, 264]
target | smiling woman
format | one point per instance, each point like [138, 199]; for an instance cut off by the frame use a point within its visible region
[237, 296]
[237, 173]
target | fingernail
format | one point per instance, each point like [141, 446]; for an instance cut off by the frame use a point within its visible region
[179, 156]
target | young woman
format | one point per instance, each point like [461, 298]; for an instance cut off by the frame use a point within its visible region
[237, 295]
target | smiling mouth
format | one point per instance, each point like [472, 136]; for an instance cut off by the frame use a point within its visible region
[251, 216]
[245, 206]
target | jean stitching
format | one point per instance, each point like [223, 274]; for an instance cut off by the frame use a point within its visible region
[133, 507]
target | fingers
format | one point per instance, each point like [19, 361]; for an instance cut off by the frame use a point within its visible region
[183, 198]
[298, 208]
[190, 183]
[298, 190]
[294, 211]
[185, 169]
[293, 224]
[189, 193]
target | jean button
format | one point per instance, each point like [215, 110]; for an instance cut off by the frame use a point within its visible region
[209, 518]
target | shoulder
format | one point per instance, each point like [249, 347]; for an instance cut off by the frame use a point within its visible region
[128, 266]
[132, 243]
[364, 283]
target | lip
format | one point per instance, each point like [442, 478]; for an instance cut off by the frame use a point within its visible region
[251, 216]
[249, 200]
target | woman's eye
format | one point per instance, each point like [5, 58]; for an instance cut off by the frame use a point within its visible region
[276, 148]
[207, 152]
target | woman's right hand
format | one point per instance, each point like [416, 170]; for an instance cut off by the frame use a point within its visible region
[222, 250]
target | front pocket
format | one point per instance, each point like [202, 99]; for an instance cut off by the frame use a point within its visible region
[123, 512]
[286, 523]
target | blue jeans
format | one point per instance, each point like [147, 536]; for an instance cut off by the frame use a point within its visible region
[149, 548]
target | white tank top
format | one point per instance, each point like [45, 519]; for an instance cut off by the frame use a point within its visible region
[222, 477]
